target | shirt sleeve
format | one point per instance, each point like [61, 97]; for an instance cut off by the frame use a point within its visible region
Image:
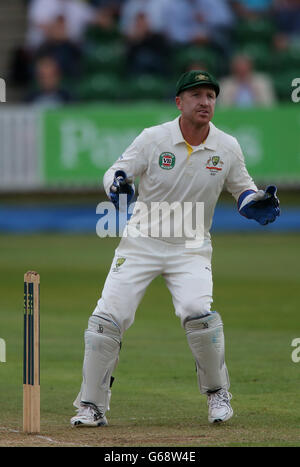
[238, 179]
[133, 161]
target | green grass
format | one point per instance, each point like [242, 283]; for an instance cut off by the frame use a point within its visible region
[155, 396]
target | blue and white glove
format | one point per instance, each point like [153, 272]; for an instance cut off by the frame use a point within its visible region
[262, 206]
[121, 185]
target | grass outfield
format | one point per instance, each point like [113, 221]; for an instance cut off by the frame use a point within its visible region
[155, 396]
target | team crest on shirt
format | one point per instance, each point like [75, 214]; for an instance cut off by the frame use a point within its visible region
[214, 165]
[167, 160]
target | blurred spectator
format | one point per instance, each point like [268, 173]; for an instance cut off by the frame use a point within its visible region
[151, 9]
[199, 22]
[42, 20]
[216, 13]
[184, 23]
[287, 19]
[219, 19]
[147, 47]
[105, 18]
[245, 87]
[251, 9]
[49, 91]
[65, 52]
[57, 28]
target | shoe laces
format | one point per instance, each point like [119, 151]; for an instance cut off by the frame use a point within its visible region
[217, 399]
[90, 409]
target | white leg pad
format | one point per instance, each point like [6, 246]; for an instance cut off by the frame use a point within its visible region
[102, 347]
[206, 340]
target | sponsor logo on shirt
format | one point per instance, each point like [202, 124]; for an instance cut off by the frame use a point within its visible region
[167, 160]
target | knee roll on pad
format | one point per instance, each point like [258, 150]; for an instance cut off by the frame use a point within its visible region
[103, 326]
[206, 341]
[102, 347]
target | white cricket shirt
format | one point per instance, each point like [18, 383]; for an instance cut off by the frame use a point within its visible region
[171, 170]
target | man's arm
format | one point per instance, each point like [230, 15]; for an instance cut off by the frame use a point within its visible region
[131, 164]
[260, 205]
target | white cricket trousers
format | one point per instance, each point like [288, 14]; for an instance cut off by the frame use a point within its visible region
[138, 261]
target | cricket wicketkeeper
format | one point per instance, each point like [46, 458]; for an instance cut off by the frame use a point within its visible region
[184, 160]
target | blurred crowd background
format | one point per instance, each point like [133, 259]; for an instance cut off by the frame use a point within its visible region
[61, 51]
[117, 62]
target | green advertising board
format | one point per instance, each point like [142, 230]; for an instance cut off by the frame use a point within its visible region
[80, 143]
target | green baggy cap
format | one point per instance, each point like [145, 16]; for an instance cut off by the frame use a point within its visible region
[195, 78]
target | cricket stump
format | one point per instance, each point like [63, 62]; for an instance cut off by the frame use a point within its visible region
[31, 353]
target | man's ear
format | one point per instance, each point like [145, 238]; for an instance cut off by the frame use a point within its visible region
[178, 102]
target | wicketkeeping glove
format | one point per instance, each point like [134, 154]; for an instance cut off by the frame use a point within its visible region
[263, 206]
[121, 185]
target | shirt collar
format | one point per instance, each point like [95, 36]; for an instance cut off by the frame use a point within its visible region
[176, 132]
[211, 141]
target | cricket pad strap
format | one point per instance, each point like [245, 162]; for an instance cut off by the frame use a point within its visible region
[102, 347]
[206, 340]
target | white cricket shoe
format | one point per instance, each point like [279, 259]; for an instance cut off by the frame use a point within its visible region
[88, 415]
[219, 408]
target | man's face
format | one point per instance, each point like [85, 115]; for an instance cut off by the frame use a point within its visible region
[48, 74]
[197, 104]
